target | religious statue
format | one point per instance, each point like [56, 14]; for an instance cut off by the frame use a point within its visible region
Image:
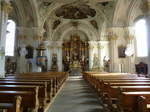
[30, 51]
[8, 66]
[83, 58]
[67, 58]
[22, 60]
[96, 63]
[106, 62]
[54, 62]
[75, 63]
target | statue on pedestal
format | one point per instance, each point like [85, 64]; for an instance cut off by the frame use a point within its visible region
[96, 63]
[54, 63]
[22, 60]
[75, 63]
[106, 62]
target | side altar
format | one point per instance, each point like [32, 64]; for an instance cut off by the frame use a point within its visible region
[75, 54]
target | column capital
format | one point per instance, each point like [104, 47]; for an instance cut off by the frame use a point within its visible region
[38, 31]
[113, 37]
[130, 37]
[148, 3]
[22, 37]
[50, 47]
[100, 46]
[6, 7]
[91, 47]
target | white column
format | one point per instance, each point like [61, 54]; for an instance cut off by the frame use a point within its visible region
[131, 60]
[4, 11]
[99, 55]
[48, 54]
[148, 37]
[114, 67]
[22, 60]
[104, 52]
[34, 66]
[59, 58]
[91, 47]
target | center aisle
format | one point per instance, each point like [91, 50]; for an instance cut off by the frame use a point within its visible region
[76, 96]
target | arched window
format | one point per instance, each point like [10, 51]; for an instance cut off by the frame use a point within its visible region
[10, 38]
[141, 38]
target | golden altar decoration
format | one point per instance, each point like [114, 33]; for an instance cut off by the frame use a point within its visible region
[75, 64]
[75, 53]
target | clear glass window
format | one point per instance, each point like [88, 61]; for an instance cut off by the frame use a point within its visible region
[10, 38]
[141, 38]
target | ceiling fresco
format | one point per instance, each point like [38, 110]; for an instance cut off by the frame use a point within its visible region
[75, 11]
[62, 16]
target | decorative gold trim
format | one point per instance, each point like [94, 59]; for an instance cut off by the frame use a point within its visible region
[113, 37]
[100, 47]
[22, 37]
[148, 3]
[6, 7]
[131, 37]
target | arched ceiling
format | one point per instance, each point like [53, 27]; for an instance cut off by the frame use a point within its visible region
[88, 14]
[59, 17]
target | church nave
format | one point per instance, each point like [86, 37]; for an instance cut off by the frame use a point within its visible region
[101, 47]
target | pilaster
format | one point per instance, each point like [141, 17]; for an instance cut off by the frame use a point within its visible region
[113, 53]
[4, 12]
[91, 48]
[148, 35]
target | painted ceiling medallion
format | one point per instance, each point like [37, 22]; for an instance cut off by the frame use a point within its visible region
[55, 24]
[94, 23]
[75, 11]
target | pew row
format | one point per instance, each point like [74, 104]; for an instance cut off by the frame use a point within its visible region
[113, 91]
[37, 89]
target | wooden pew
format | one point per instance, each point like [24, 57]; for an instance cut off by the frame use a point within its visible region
[129, 84]
[48, 84]
[14, 105]
[28, 98]
[132, 88]
[113, 92]
[42, 88]
[52, 81]
[31, 88]
[127, 80]
[22, 79]
[129, 101]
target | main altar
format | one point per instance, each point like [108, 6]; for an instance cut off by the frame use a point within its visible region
[75, 54]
